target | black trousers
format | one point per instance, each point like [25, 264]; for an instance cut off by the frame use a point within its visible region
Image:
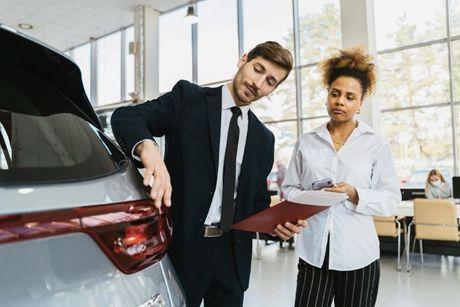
[213, 276]
[320, 286]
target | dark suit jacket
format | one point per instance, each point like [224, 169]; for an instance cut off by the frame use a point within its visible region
[189, 118]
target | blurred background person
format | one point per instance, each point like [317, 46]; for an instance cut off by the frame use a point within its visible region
[280, 177]
[436, 186]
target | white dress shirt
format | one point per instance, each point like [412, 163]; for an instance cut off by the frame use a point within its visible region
[365, 162]
[215, 210]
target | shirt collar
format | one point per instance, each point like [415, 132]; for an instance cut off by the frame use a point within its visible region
[228, 102]
[360, 129]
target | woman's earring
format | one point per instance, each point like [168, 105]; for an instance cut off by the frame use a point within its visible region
[359, 111]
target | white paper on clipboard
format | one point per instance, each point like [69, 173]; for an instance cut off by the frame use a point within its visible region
[322, 198]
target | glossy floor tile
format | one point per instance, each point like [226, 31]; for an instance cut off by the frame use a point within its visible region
[436, 283]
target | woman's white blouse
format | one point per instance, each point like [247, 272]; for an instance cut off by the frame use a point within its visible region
[365, 162]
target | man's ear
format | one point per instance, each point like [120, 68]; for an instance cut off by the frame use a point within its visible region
[242, 60]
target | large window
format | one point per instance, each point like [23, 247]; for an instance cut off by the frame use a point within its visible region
[129, 64]
[280, 105]
[420, 139]
[217, 41]
[400, 23]
[271, 20]
[285, 138]
[455, 13]
[320, 35]
[313, 93]
[320, 31]
[414, 85]
[267, 20]
[456, 77]
[175, 49]
[417, 76]
[108, 73]
[263, 20]
[456, 71]
[82, 56]
[108, 69]
[314, 123]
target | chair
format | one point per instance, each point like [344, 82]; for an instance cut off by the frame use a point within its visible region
[434, 219]
[390, 226]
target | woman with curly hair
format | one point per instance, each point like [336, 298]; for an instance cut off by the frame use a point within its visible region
[339, 249]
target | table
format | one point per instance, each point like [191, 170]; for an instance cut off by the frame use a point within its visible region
[406, 208]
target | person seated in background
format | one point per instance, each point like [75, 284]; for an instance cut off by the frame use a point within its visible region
[280, 177]
[436, 186]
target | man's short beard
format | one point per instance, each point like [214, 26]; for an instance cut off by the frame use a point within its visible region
[244, 99]
[235, 92]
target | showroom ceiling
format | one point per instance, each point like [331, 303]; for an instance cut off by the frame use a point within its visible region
[66, 23]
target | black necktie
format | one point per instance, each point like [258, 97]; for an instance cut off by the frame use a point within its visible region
[228, 191]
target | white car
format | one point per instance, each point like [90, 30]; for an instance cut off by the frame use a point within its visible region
[76, 225]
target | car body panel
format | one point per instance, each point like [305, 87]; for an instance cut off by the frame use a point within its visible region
[71, 270]
[122, 186]
[68, 269]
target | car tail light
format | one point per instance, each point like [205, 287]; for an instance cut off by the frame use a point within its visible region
[132, 234]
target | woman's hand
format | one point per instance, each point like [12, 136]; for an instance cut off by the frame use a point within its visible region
[343, 187]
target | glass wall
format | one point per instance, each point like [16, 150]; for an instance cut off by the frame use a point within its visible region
[419, 104]
[401, 23]
[82, 56]
[455, 17]
[320, 31]
[267, 20]
[414, 86]
[217, 41]
[129, 64]
[261, 20]
[111, 83]
[175, 49]
[109, 69]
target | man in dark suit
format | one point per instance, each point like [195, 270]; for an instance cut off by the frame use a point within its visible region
[217, 158]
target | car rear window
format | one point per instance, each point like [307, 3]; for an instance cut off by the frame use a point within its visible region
[44, 136]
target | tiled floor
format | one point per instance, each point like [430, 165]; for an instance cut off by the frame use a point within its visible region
[437, 283]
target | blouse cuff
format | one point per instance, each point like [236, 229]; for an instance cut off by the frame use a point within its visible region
[364, 199]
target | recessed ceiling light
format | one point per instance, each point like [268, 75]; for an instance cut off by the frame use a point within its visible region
[25, 26]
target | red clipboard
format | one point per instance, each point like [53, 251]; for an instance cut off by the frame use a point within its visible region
[266, 220]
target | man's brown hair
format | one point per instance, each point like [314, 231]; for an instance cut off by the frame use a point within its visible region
[275, 53]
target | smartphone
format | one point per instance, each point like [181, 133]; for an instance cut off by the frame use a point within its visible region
[323, 183]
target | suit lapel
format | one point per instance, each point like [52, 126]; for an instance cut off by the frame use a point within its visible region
[214, 110]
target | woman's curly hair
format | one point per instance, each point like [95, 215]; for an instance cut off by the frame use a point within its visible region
[353, 62]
